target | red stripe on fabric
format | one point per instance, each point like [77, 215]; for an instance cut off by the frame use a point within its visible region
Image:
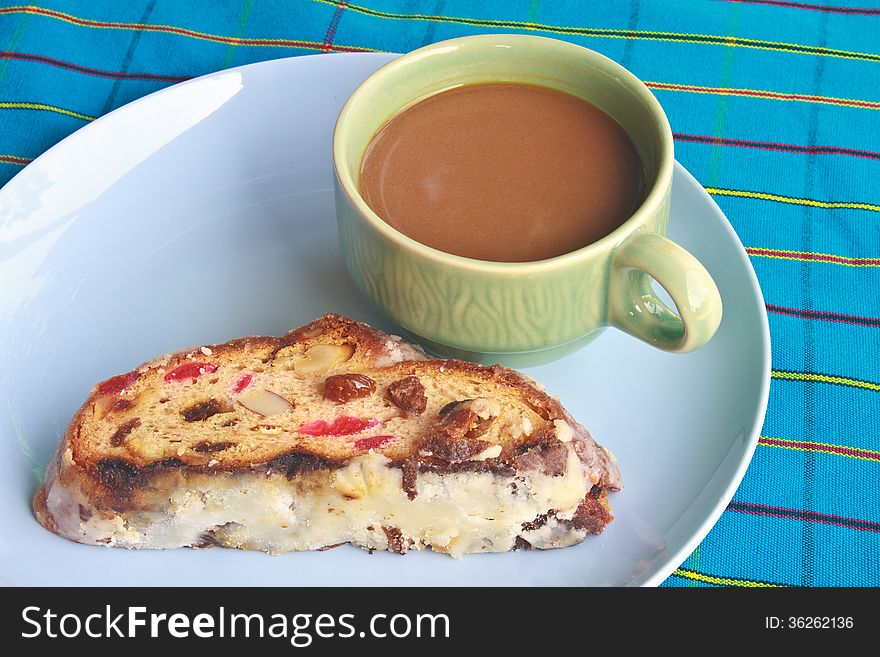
[170, 29]
[775, 146]
[294, 44]
[15, 159]
[858, 11]
[77, 68]
[799, 514]
[758, 93]
[788, 517]
[834, 449]
[824, 315]
[821, 257]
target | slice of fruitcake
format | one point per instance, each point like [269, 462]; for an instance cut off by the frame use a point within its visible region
[335, 433]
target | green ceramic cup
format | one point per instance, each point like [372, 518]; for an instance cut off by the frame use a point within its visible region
[522, 314]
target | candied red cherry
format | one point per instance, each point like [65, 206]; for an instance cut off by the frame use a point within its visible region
[241, 383]
[190, 371]
[117, 384]
[344, 425]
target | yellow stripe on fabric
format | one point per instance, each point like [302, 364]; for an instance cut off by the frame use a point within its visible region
[824, 378]
[608, 33]
[172, 29]
[808, 446]
[723, 581]
[46, 108]
[812, 256]
[766, 94]
[763, 196]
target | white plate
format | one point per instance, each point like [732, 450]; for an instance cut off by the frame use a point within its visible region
[204, 212]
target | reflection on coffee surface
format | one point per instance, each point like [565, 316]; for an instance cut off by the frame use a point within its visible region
[503, 172]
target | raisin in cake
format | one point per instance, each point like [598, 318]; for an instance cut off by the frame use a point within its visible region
[335, 433]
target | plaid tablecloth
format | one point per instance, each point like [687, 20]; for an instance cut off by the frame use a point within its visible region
[775, 106]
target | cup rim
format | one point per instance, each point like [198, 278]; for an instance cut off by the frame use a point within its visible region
[650, 205]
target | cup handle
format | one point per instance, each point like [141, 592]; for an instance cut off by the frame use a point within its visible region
[636, 309]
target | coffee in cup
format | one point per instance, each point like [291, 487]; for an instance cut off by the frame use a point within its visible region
[503, 172]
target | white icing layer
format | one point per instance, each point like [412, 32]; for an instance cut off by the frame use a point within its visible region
[455, 513]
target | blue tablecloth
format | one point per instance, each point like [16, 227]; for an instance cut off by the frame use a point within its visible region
[775, 106]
